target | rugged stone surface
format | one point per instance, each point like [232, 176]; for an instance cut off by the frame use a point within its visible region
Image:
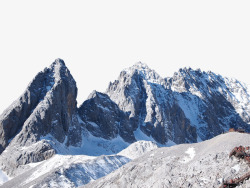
[203, 164]
[142, 93]
[103, 118]
[188, 107]
[47, 107]
[212, 103]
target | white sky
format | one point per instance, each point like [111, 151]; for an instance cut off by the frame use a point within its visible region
[97, 39]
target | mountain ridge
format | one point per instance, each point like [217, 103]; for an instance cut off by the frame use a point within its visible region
[189, 107]
[204, 164]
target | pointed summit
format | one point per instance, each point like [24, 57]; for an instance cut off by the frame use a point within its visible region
[140, 65]
[47, 107]
[59, 61]
[144, 71]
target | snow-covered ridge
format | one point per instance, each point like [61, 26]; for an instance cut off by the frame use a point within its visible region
[140, 105]
[206, 164]
[76, 170]
[149, 74]
[137, 149]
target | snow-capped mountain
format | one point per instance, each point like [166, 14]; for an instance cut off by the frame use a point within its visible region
[45, 122]
[47, 107]
[189, 107]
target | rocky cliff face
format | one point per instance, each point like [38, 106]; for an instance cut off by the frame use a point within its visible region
[212, 103]
[47, 107]
[103, 118]
[142, 93]
[190, 106]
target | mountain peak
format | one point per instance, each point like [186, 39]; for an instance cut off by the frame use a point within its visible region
[189, 69]
[140, 65]
[59, 61]
[143, 70]
[95, 93]
[57, 64]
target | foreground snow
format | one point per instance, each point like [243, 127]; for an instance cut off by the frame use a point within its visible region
[203, 164]
[137, 149]
[142, 164]
[3, 177]
[191, 153]
[76, 170]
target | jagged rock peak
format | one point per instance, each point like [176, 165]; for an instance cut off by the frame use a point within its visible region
[140, 65]
[96, 94]
[188, 71]
[144, 71]
[58, 61]
[58, 67]
[48, 107]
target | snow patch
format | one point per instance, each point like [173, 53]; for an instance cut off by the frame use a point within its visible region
[137, 149]
[236, 168]
[3, 177]
[191, 152]
[35, 164]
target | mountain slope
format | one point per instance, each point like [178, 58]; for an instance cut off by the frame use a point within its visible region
[152, 108]
[189, 107]
[77, 170]
[103, 118]
[202, 164]
[48, 106]
[213, 104]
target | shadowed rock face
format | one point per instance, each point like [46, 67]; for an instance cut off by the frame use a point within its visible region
[47, 107]
[190, 106]
[103, 118]
[13, 118]
[142, 93]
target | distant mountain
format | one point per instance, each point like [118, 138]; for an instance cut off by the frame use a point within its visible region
[189, 107]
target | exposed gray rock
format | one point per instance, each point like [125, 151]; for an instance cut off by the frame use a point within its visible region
[13, 118]
[103, 118]
[48, 106]
[142, 93]
[212, 103]
[189, 107]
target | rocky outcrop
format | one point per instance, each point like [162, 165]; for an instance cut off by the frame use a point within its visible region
[13, 118]
[47, 107]
[103, 118]
[212, 103]
[190, 106]
[142, 93]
